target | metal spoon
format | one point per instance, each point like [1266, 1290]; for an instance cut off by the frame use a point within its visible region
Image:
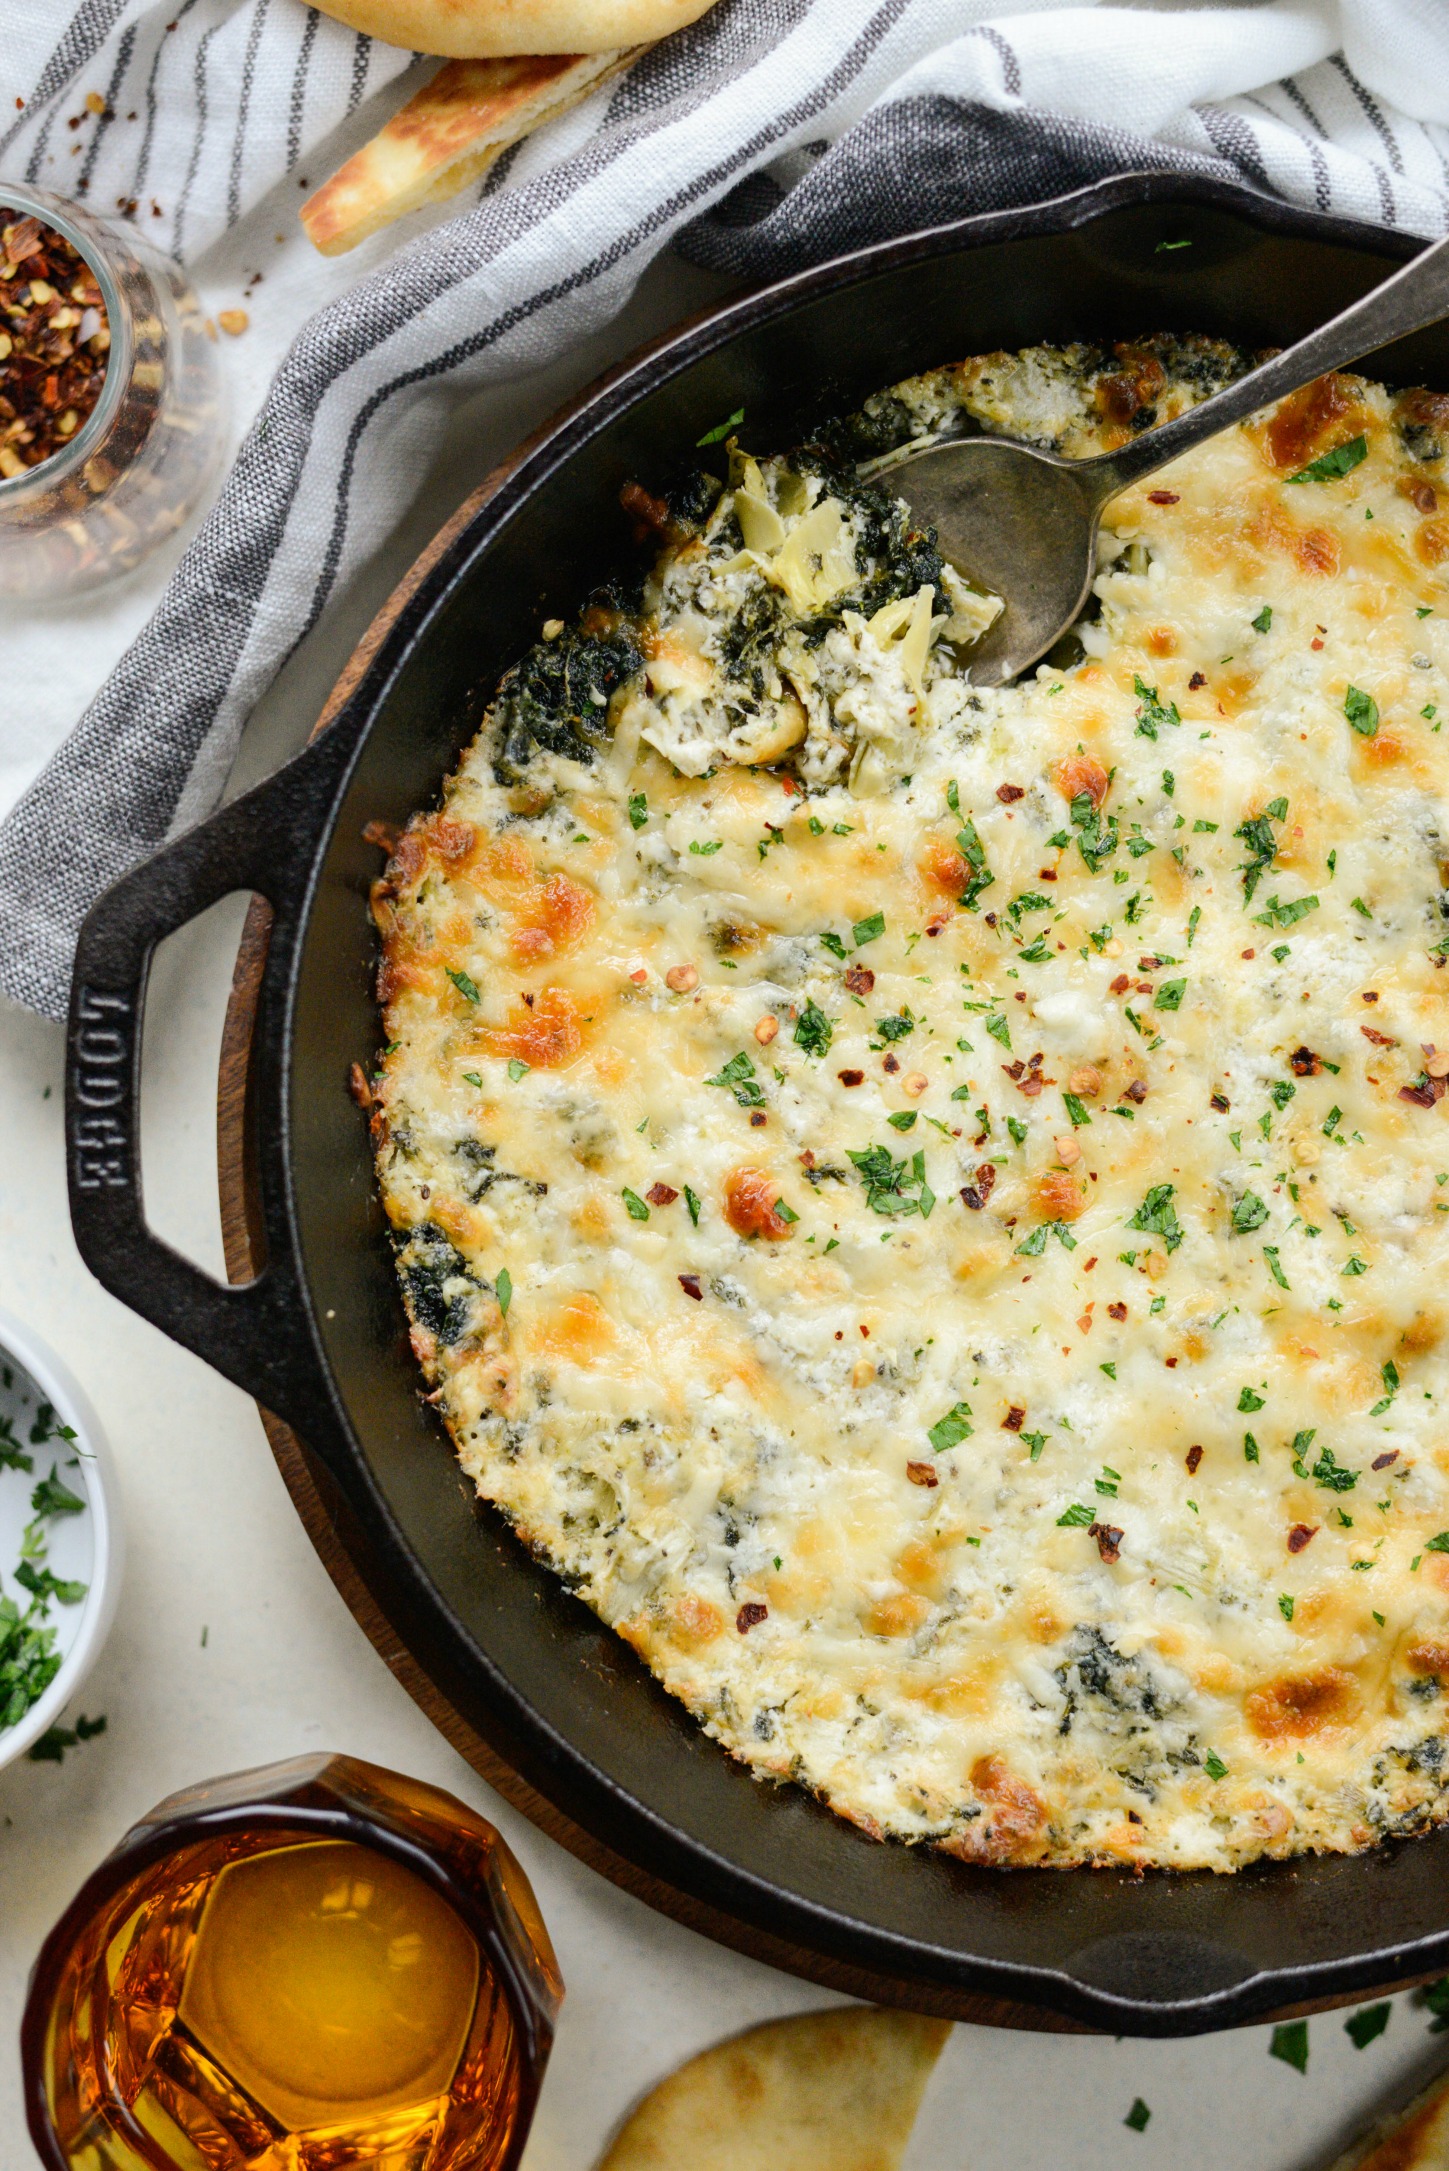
[1023, 523]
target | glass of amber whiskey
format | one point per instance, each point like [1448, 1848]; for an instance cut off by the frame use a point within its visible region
[310, 1967]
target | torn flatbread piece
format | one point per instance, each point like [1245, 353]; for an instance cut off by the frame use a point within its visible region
[447, 136]
[1416, 2139]
[831, 2091]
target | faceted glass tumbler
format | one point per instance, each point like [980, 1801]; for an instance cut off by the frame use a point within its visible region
[144, 457]
[118, 2046]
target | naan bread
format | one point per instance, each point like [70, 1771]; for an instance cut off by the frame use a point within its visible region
[446, 137]
[1417, 2140]
[497, 29]
[833, 2091]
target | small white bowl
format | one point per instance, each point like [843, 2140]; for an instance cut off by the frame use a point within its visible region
[85, 1548]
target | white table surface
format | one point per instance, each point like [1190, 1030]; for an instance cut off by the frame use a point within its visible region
[231, 1647]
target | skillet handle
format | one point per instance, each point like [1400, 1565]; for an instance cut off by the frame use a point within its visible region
[257, 1333]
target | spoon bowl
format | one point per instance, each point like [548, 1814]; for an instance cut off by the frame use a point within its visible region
[1019, 524]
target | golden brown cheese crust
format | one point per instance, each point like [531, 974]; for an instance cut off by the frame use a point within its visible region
[942, 1240]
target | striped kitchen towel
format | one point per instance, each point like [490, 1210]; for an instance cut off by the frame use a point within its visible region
[772, 134]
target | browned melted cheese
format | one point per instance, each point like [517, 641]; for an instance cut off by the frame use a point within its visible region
[982, 1343]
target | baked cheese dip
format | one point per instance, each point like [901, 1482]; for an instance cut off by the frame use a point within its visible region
[929, 1206]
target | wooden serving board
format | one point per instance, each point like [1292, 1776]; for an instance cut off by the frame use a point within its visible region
[342, 1549]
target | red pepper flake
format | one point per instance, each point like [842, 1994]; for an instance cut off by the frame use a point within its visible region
[358, 1086]
[1046, 874]
[1380, 1040]
[1220, 1102]
[1008, 793]
[1381, 1462]
[1194, 1457]
[922, 1473]
[1014, 1419]
[1199, 678]
[689, 1283]
[892, 1064]
[1423, 1094]
[661, 1194]
[1121, 984]
[976, 1194]
[758, 1120]
[1304, 1063]
[1109, 1539]
[1300, 1535]
[1137, 1091]
[1315, 642]
[1162, 497]
[1371, 995]
[851, 1077]
[1250, 953]
[859, 979]
[1117, 1311]
[54, 343]
[750, 1615]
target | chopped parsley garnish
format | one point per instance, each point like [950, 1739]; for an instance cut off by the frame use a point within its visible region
[504, 1287]
[1139, 2114]
[896, 1028]
[738, 1077]
[1153, 711]
[517, 1068]
[705, 851]
[463, 984]
[1077, 1517]
[1157, 1216]
[999, 1029]
[1257, 835]
[1250, 1448]
[1169, 995]
[1248, 1400]
[1285, 1605]
[1250, 1212]
[813, 1029]
[634, 1205]
[1367, 2024]
[1214, 1766]
[638, 810]
[471, 1077]
[691, 1200]
[904, 1119]
[1355, 1265]
[1034, 1245]
[952, 1429]
[1328, 467]
[975, 854]
[868, 929]
[834, 945]
[1290, 2037]
[889, 1183]
[1077, 1109]
[52, 1496]
[786, 1213]
[721, 430]
[1362, 712]
[1096, 839]
[1275, 1268]
[1275, 914]
[1361, 908]
[1017, 1129]
[1264, 619]
[1327, 1472]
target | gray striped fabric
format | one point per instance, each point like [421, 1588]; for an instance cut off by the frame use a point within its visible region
[773, 134]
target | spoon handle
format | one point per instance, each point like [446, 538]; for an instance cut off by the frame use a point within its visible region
[1415, 296]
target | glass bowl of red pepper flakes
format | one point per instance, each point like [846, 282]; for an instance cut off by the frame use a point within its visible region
[111, 422]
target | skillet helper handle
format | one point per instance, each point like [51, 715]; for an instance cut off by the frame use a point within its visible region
[258, 1333]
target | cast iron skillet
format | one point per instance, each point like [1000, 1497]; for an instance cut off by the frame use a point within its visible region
[319, 1335]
